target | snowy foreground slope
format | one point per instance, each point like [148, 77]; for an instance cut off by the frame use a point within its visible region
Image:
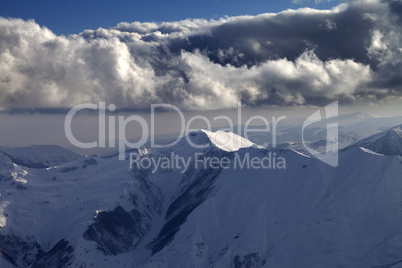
[96, 212]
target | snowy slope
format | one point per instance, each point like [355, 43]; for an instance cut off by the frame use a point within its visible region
[44, 206]
[96, 212]
[228, 141]
[388, 142]
[307, 216]
[39, 156]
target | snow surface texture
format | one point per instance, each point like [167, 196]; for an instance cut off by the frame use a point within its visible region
[96, 212]
[228, 141]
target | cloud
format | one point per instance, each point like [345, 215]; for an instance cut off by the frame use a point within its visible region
[296, 57]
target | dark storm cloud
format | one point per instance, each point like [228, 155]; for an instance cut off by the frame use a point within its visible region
[288, 34]
[296, 57]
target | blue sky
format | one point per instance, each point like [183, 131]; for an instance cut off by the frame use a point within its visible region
[69, 17]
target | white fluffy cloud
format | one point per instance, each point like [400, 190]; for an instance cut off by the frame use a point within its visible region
[290, 58]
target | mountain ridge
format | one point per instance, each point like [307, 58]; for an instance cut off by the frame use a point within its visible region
[39, 156]
[387, 142]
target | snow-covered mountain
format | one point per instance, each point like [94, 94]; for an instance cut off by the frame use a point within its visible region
[38, 156]
[388, 142]
[99, 212]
